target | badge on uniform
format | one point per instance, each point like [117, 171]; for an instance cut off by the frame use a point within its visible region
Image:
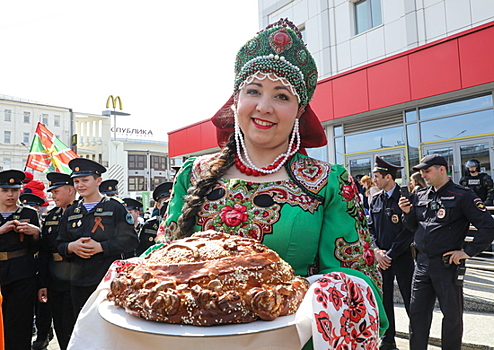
[151, 239]
[99, 210]
[77, 210]
[74, 224]
[479, 204]
[395, 219]
[129, 218]
[17, 217]
[441, 213]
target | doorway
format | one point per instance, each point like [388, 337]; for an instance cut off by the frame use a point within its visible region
[363, 163]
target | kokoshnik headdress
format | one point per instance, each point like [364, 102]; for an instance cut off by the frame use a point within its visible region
[278, 50]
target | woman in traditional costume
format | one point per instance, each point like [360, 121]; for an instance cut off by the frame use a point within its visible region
[263, 185]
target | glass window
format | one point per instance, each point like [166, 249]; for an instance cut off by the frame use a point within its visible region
[456, 107]
[411, 116]
[338, 146]
[7, 163]
[45, 119]
[137, 183]
[413, 145]
[137, 161]
[479, 151]
[158, 162]
[463, 125]
[320, 153]
[25, 137]
[376, 139]
[338, 130]
[8, 115]
[56, 120]
[156, 181]
[367, 15]
[6, 136]
[27, 117]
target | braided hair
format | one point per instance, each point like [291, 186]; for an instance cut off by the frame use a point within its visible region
[196, 194]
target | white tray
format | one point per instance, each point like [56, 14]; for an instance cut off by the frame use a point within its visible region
[117, 316]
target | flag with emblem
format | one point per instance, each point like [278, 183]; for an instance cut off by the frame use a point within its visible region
[48, 153]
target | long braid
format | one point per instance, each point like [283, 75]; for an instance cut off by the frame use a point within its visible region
[197, 194]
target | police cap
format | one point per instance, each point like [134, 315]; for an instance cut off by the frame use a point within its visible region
[11, 178]
[385, 168]
[56, 180]
[163, 190]
[85, 167]
[31, 199]
[108, 187]
[430, 160]
[131, 203]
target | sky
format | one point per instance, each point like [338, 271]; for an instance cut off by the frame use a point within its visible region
[170, 61]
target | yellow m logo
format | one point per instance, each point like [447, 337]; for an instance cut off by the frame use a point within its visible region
[114, 102]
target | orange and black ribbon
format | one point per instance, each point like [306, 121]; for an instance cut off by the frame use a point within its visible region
[97, 223]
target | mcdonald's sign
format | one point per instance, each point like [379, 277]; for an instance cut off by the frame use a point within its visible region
[114, 102]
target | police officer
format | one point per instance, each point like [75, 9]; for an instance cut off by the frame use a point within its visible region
[94, 232]
[54, 274]
[440, 217]
[147, 235]
[19, 235]
[391, 240]
[134, 208]
[481, 183]
[109, 188]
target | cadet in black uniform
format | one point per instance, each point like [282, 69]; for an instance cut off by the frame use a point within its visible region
[44, 331]
[109, 188]
[93, 232]
[147, 235]
[481, 183]
[440, 217]
[54, 271]
[392, 241]
[134, 208]
[19, 234]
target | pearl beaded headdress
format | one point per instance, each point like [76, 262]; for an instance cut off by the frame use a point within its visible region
[278, 50]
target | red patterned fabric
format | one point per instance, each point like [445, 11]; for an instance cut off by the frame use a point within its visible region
[345, 313]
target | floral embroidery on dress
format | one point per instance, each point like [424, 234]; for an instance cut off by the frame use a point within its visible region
[356, 255]
[345, 313]
[312, 173]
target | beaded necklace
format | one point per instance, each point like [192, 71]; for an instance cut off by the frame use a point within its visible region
[247, 166]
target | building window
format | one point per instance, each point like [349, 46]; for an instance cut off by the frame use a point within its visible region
[8, 115]
[56, 120]
[137, 183]
[137, 161]
[6, 136]
[158, 162]
[45, 119]
[7, 163]
[27, 117]
[25, 137]
[156, 181]
[367, 15]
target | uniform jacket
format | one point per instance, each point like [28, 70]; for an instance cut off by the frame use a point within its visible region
[23, 266]
[387, 228]
[147, 236]
[482, 185]
[54, 270]
[108, 223]
[441, 220]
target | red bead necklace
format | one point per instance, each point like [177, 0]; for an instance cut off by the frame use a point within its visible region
[249, 171]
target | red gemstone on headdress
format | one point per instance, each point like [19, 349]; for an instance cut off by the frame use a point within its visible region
[281, 39]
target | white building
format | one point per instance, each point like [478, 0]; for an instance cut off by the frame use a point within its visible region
[18, 121]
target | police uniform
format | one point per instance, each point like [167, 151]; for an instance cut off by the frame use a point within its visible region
[133, 204]
[54, 270]
[18, 270]
[482, 185]
[147, 235]
[390, 233]
[441, 221]
[109, 187]
[108, 223]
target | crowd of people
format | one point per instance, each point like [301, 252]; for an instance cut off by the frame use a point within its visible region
[260, 185]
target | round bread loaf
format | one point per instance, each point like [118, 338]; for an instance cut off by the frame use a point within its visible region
[207, 279]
